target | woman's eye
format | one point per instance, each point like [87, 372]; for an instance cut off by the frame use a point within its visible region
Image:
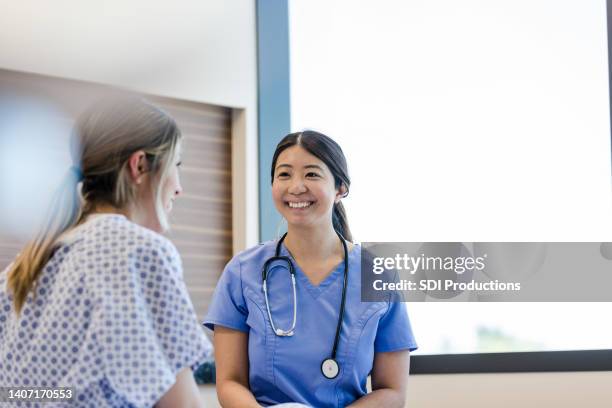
[283, 174]
[311, 174]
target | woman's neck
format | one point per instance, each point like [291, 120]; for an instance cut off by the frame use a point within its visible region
[313, 243]
[109, 209]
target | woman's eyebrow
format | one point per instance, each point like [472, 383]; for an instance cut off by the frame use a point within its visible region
[308, 166]
[313, 166]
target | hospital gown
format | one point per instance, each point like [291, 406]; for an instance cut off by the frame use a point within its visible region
[110, 316]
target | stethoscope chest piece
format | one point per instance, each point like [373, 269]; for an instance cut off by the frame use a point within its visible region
[330, 368]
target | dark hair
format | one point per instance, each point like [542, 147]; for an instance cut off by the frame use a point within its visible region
[329, 152]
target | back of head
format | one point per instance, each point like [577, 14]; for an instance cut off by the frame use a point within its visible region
[329, 152]
[104, 138]
[107, 135]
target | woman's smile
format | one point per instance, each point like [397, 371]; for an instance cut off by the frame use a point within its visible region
[299, 205]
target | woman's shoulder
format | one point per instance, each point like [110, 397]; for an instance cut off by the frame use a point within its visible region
[251, 259]
[123, 252]
[115, 246]
[256, 253]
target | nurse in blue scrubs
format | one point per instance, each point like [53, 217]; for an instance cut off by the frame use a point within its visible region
[305, 336]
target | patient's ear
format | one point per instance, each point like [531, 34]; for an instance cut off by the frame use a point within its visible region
[137, 166]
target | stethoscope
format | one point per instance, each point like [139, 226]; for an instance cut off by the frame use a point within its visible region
[329, 366]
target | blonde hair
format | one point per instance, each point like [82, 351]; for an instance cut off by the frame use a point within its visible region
[105, 137]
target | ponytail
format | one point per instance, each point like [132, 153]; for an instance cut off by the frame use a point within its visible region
[105, 136]
[64, 213]
[340, 221]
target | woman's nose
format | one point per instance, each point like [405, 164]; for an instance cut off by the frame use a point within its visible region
[297, 186]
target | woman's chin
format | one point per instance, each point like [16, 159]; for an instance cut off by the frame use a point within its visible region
[299, 220]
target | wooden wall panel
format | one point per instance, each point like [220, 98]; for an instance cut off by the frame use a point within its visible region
[201, 219]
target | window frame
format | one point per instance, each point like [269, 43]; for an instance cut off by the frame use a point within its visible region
[274, 122]
[512, 362]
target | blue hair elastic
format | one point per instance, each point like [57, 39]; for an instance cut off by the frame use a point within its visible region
[77, 172]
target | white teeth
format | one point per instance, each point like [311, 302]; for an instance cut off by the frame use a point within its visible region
[299, 205]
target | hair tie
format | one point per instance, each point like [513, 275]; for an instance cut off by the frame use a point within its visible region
[78, 173]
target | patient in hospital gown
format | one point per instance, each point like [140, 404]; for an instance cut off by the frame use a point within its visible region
[109, 316]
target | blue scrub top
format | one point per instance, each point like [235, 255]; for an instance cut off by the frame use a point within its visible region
[288, 369]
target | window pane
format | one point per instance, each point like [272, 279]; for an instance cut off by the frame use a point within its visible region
[467, 121]
[443, 328]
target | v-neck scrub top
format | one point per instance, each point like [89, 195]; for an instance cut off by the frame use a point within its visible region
[288, 369]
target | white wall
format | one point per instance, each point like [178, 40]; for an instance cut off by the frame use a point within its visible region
[203, 51]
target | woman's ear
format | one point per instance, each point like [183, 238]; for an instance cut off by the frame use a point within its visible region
[341, 193]
[137, 166]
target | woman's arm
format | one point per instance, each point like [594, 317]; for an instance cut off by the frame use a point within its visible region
[184, 392]
[389, 381]
[232, 364]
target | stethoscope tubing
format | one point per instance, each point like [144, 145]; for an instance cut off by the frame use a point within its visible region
[343, 301]
[281, 332]
[287, 261]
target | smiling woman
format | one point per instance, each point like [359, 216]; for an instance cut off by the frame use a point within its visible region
[310, 284]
